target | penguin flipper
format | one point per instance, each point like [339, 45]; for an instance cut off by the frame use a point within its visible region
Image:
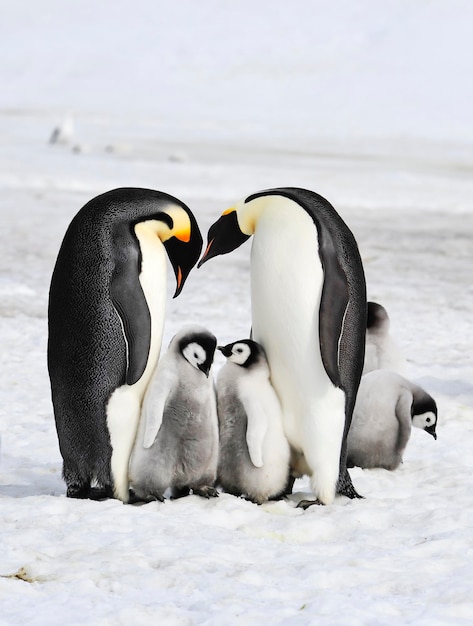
[403, 414]
[257, 425]
[333, 306]
[130, 303]
[154, 404]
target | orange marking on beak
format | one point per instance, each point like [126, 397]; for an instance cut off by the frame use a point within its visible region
[209, 245]
[230, 210]
[179, 277]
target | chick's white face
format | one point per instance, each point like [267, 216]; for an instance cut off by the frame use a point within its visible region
[240, 353]
[195, 354]
[424, 420]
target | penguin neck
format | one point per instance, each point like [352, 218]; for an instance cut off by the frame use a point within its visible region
[249, 213]
[153, 280]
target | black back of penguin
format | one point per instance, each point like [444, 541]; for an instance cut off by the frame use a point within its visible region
[96, 273]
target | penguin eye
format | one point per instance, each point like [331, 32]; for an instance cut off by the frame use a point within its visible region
[428, 420]
[239, 350]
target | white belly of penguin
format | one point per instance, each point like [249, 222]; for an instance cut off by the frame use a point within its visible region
[286, 287]
[124, 406]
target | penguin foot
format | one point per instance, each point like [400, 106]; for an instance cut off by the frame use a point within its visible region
[135, 499]
[81, 492]
[179, 492]
[101, 493]
[305, 504]
[205, 492]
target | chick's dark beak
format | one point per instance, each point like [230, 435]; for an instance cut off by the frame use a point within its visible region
[431, 431]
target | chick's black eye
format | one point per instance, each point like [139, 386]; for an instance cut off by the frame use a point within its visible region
[239, 350]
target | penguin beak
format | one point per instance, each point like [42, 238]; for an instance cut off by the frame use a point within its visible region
[225, 350]
[224, 236]
[205, 367]
[431, 431]
[183, 255]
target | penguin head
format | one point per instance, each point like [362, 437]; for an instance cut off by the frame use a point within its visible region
[424, 415]
[224, 236]
[179, 232]
[240, 221]
[197, 346]
[244, 352]
[377, 318]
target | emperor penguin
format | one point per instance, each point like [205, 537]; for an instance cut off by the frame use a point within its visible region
[386, 408]
[381, 351]
[254, 452]
[177, 441]
[106, 315]
[308, 306]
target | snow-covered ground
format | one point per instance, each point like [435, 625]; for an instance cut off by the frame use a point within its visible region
[368, 104]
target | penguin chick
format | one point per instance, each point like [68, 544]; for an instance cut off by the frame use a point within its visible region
[386, 407]
[177, 441]
[381, 351]
[254, 452]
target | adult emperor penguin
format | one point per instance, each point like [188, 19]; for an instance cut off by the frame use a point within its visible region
[106, 315]
[177, 441]
[381, 351]
[254, 452]
[308, 301]
[386, 408]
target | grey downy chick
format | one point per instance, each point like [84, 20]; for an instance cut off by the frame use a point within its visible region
[177, 442]
[386, 408]
[254, 452]
[381, 351]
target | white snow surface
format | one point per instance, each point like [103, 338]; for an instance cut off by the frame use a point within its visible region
[367, 103]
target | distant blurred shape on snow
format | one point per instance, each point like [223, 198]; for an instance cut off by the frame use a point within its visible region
[63, 133]
[381, 351]
[387, 406]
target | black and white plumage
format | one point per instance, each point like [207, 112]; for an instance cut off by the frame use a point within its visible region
[381, 351]
[308, 301]
[254, 452]
[106, 315]
[387, 406]
[177, 442]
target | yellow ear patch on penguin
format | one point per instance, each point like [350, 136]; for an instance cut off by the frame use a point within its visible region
[228, 211]
[181, 225]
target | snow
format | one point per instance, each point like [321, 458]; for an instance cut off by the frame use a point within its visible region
[368, 104]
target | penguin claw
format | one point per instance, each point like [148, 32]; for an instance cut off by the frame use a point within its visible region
[205, 492]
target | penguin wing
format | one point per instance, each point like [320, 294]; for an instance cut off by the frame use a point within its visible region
[333, 305]
[154, 403]
[130, 303]
[403, 414]
[257, 425]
